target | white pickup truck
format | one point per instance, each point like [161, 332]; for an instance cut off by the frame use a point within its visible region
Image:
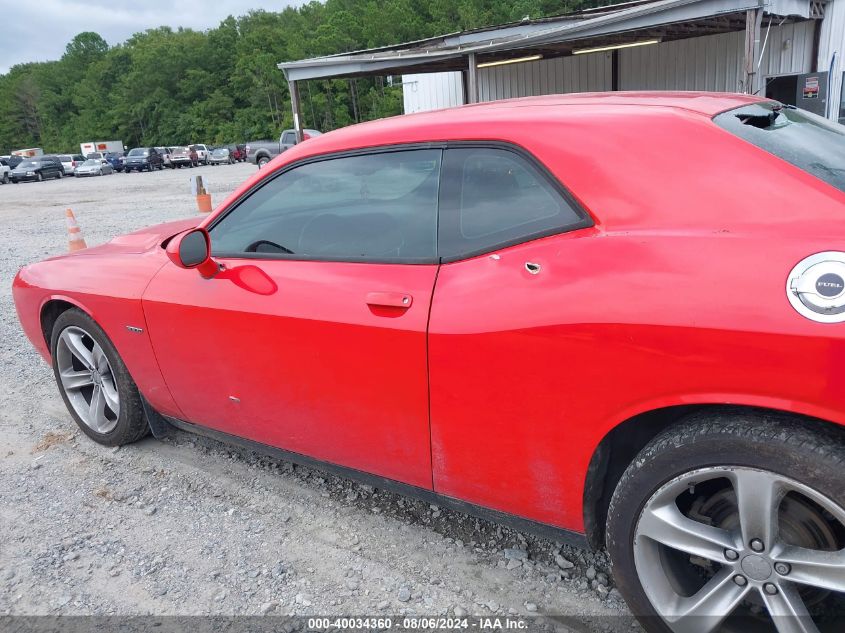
[202, 153]
[4, 172]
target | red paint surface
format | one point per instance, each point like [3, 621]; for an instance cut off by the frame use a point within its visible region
[495, 385]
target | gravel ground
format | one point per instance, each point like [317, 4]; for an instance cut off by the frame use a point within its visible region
[191, 526]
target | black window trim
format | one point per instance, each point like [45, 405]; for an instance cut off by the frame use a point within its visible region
[585, 221]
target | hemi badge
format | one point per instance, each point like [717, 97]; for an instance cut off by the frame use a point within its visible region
[136, 330]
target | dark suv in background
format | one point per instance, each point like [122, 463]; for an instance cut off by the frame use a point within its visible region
[142, 159]
[37, 168]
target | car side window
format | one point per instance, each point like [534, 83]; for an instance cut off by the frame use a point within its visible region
[289, 138]
[495, 197]
[379, 207]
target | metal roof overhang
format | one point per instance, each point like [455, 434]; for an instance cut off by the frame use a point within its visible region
[554, 37]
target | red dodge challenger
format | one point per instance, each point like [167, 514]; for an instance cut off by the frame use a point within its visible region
[614, 319]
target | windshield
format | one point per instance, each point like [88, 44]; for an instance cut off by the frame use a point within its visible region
[806, 140]
[139, 151]
[91, 163]
[29, 164]
[220, 152]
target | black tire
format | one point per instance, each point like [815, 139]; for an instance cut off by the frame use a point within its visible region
[131, 423]
[40, 177]
[262, 161]
[811, 454]
[60, 175]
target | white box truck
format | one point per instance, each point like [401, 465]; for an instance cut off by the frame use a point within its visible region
[103, 147]
[29, 152]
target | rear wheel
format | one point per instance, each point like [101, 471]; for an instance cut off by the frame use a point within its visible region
[733, 523]
[94, 383]
[263, 161]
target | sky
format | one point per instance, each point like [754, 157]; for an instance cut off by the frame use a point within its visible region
[39, 30]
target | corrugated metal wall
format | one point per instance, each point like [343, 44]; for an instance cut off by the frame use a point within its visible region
[584, 73]
[789, 49]
[831, 50]
[702, 63]
[713, 62]
[432, 91]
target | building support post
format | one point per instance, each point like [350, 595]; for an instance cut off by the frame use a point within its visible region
[472, 79]
[753, 28]
[294, 104]
[614, 70]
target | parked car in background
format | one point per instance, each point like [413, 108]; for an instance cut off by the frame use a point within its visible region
[94, 167]
[202, 152]
[164, 152]
[238, 152]
[5, 170]
[115, 159]
[180, 156]
[142, 159]
[262, 152]
[220, 156]
[12, 161]
[37, 168]
[70, 161]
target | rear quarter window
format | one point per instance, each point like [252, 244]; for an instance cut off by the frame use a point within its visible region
[801, 138]
[495, 197]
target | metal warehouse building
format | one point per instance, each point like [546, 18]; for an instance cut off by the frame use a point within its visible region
[790, 50]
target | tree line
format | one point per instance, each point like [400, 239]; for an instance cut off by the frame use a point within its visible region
[165, 86]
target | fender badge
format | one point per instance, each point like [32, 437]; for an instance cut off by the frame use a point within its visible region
[135, 330]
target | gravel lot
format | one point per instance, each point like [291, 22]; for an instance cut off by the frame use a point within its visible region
[191, 526]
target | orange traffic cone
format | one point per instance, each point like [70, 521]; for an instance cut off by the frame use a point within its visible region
[75, 241]
[203, 197]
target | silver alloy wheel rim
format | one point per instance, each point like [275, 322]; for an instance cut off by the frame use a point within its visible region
[87, 379]
[744, 574]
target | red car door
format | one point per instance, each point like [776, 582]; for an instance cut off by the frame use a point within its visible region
[503, 414]
[313, 338]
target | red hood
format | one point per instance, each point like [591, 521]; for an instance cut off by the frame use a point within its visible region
[144, 239]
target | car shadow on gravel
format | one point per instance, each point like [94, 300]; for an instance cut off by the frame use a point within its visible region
[497, 545]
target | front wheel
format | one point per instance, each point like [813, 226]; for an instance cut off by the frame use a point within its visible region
[733, 522]
[94, 383]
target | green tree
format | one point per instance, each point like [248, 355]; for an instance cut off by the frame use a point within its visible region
[165, 86]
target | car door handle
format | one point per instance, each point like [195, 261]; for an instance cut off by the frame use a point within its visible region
[390, 299]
